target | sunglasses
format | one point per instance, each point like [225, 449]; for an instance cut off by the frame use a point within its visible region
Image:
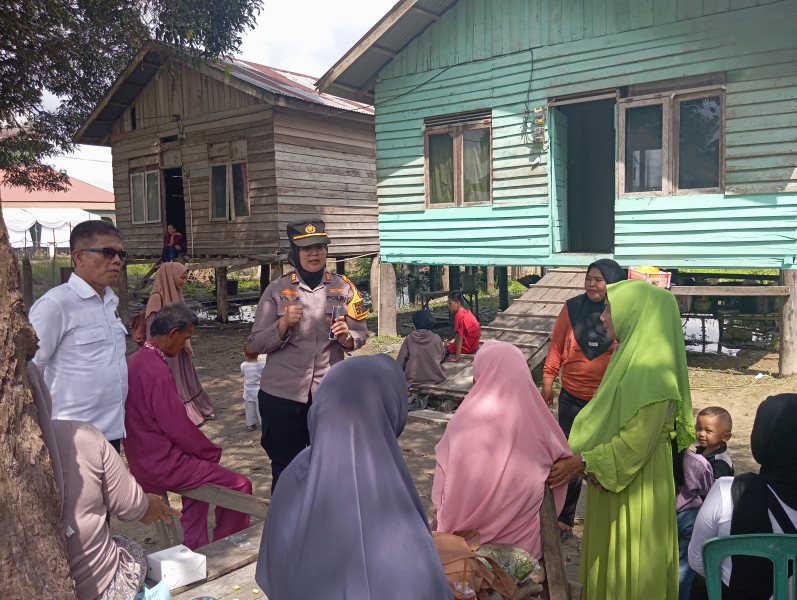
[109, 253]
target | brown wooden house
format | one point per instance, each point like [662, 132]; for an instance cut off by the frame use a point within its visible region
[230, 153]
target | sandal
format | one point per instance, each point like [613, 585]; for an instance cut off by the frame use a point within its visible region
[251, 427]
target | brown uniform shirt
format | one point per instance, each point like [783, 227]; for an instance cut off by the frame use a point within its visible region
[297, 363]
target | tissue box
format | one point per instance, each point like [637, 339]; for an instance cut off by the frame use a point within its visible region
[178, 566]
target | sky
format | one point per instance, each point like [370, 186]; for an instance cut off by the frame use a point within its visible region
[305, 36]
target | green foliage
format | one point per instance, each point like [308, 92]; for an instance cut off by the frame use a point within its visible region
[74, 50]
[516, 289]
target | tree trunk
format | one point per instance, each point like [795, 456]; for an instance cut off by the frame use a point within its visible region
[490, 279]
[787, 360]
[33, 560]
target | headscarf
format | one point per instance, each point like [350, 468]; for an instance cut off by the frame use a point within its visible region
[44, 406]
[164, 291]
[774, 447]
[311, 279]
[423, 319]
[585, 315]
[346, 519]
[497, 452]
[648, 366]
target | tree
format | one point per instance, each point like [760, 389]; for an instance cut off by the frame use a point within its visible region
[66, 54]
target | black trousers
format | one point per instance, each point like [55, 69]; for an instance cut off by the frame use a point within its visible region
[284, 432]
[569, 407]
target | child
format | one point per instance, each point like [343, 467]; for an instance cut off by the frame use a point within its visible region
[712, 430]
[251, 369]
[422, 351]
[467, 328]
[693, 479]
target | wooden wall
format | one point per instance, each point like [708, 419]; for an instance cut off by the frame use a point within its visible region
[210, 112]
[325, 166]
[513, 55]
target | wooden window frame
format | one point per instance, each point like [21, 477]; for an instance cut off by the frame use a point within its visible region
[670, 103]
[147, 219]
[228, 182]
[458, 149]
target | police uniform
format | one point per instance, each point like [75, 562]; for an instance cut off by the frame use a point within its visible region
[297, 362]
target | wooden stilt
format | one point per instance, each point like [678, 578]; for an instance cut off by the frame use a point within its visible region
[387, 299]
[446, 274]
[490, 279]
[27, 283]
[374, 283]
[222, 308]
[787, 361]
[277, 270]
[503, 288]
[454, 279]
[265, 276]
[340, 266]
[124, 298]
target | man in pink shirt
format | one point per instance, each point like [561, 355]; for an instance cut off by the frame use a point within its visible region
[164, 449]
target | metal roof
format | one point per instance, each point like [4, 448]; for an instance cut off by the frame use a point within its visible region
[261, 78]
[354, 75]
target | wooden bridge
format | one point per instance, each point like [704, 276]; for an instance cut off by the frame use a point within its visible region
[527, 324]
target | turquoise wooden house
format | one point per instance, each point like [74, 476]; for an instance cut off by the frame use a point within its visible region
[554, 132]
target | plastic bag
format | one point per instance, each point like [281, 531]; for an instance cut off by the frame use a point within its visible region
[513, 559]
[160, 591]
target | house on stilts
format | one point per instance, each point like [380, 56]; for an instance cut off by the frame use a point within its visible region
[229, 153]
[556, 132]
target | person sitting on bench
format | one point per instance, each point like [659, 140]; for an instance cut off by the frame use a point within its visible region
[164, 449]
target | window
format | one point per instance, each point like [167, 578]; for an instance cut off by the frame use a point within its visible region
[672, 143]
[145, 197]
[229, 197]
[458, 159]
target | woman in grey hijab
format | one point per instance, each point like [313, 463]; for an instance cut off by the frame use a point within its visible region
[346, 520]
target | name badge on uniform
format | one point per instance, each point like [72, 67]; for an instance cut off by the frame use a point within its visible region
[593, 344]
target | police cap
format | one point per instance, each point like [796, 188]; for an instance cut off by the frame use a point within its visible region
[307, 232]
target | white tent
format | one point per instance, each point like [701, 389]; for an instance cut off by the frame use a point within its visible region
[53, 225]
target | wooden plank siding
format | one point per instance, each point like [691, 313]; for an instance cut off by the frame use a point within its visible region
[326, 166]
[521, 53]
[298, 163]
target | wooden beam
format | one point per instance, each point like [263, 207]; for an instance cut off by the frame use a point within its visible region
[787, 360]
[385, 51]
[387, 300]
[730, 290]
[426, 13]
[222, 307]
[265, 276]
[227, 498]
[503, 288]
[558, 587]
[512, 330]
[490, 279]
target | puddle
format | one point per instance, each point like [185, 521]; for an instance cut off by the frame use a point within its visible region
[703, 335]
[238, 314]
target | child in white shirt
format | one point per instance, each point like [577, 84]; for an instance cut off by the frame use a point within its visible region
[252, 369]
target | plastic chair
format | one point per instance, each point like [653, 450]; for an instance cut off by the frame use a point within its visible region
[780, 548]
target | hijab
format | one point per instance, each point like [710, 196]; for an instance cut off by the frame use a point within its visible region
[164, 291]
[585, 315]
[311, 279]
[497, 452]
[345, 520]
[648, 366]
[774, 447]
[423, 319]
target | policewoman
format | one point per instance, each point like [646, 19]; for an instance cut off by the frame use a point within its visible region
[294, 326]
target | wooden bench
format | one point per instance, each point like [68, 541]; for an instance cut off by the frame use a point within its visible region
[227, 554]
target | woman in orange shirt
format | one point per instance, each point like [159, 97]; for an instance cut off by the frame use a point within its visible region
[580, 349]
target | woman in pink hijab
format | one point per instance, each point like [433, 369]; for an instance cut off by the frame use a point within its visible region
[168, 288]
[496, 454]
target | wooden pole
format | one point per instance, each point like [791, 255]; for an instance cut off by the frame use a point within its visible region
[503, 288]
[787, 361]
[340, 266]
[124, 299]
[222, 308]
[373, 282]
[558, 588]
[386, 322]
[446, 278]
[27, 284]
[265, 276]
[490, 279]
[454, 279]
[277, 270]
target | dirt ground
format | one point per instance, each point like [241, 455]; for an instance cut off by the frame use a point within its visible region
[737, 383]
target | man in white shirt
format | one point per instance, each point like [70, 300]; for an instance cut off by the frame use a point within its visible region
[81, 337]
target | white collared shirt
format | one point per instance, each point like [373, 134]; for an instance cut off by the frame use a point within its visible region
[82, 354]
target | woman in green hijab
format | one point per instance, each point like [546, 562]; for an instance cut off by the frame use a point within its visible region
[624, 437]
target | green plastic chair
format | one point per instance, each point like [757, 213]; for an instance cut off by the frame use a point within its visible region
[780, 548]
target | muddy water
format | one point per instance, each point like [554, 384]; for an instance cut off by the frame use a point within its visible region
[703, 335]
